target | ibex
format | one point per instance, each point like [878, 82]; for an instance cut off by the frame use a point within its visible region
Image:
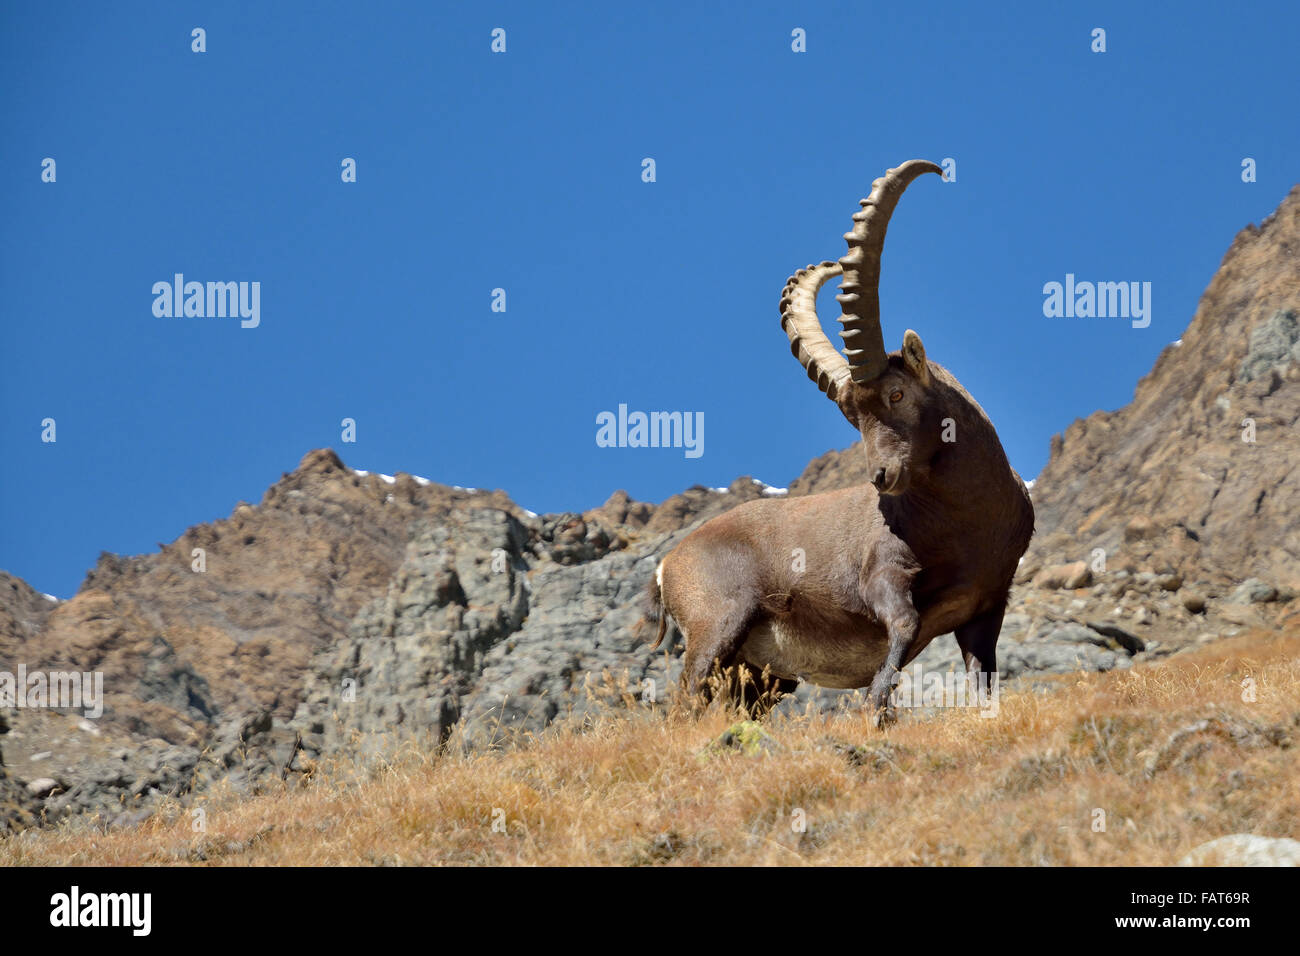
[844, 588]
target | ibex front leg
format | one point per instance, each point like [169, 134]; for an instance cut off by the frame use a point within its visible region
[887, 591]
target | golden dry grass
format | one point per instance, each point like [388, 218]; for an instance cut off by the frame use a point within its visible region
[1022, 789]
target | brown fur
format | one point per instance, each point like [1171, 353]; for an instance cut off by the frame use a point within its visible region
[930, 547]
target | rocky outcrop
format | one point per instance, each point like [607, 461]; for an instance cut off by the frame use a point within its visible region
[224, 620]
[23, 613]
[1200, 474]
[483, 627]
[411, 657]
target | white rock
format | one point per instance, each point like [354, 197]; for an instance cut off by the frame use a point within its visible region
[1245, 849]
[41, 786]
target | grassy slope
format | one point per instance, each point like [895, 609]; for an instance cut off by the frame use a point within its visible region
[1021, 789]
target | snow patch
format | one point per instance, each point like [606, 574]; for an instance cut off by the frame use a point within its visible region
[51, 597]
[1176, 342]
[764, 487]
[389, 479]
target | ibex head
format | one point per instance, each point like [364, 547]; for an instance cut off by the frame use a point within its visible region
[891, 399]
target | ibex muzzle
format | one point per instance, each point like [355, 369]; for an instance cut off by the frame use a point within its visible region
[844, 588]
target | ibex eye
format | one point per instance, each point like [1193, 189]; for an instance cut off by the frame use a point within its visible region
[896, 396]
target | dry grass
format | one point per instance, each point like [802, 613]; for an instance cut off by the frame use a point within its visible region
[1021, 789]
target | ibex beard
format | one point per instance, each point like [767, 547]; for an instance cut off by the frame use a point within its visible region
[844, 588]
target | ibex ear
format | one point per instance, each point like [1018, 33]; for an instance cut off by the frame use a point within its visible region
[914, 357]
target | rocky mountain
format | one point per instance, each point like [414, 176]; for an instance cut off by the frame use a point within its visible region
[1200, 473]
[347, 613]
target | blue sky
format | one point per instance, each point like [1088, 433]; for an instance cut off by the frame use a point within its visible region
[522, 171]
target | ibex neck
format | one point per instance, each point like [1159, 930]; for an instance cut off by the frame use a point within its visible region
[967, 493]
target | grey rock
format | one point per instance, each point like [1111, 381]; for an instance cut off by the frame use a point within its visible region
[1014, 623]
[1024, 659]
[1274, 344]
[1070, 633]
[942, 654]
[528, 633]
[579, 647]
[809, 698]
[130, 818]
[1253, 591]
[1127, 640]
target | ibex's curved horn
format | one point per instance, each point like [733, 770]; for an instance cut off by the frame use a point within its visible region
[864, 341]
[859, 296]
[808, 340]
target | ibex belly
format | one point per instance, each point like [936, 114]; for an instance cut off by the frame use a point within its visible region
[843, 651]
[839, 658]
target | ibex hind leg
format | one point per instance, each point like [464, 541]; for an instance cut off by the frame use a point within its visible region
[744, 687]
[758, 695]
[713, 644]
[978, 640]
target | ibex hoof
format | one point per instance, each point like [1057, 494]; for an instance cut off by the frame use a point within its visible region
[883, 716]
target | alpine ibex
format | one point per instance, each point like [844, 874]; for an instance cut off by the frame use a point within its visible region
[844, 588]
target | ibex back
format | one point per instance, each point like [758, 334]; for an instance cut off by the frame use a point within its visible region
[844, 588]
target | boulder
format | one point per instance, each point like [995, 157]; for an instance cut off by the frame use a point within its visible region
[1245, 849]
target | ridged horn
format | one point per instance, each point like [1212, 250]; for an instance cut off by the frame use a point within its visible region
[859, 295]
[808, 340]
